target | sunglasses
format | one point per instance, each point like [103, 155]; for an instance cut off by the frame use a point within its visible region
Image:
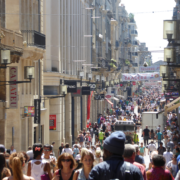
[66, 160]
[46, 150]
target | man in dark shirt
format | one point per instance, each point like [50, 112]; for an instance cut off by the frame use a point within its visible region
[146, 135]
[139, 158]
[61, 148]
[161, 149]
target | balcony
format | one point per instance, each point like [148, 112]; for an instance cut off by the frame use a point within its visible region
[134, 32]
[134, 54]
[34, 38]
[135, 43]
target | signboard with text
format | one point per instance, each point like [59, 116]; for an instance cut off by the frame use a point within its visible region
[155, 83]
[149, 68]
[77, 93]
[52, 122]
[71, 86]
[37, 115]
[13, 76]
[141, 76]
[29, 111]
[85, 90]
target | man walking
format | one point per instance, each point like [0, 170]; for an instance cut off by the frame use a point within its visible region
[101, 136]
[159, 137]
[113, 166]
[146, 135]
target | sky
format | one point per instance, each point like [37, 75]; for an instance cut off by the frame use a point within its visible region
[150, 25]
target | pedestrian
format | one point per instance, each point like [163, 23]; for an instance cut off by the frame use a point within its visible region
[12, 149]
[2, 163]
[129, 156]
[87, 160]
[113, 150]
[138, 158]
[152, 134]
[151, 147]
[168, 155]
[66, 165]
[136, 138]
[101, 136]
[98, 158]
[38, 167]
[170, 144]
[172, 166]
[178, 174]
[75, 150]
[159, 137]
[157, 172]
[161, 149]
[60, 149]
[67, 149]
[5, 173]
[142, 149]
[146, 135]
[17, 166]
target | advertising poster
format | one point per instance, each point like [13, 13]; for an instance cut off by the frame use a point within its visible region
[29, 111]
[149, 68]
[52, 122]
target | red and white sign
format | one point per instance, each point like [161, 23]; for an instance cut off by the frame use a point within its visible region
[157, 83]
[108, 96]
[13, 88]
[140, 76]
[52, 122]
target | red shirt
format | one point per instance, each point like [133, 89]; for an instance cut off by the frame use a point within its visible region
[140, 166]
[158, 173]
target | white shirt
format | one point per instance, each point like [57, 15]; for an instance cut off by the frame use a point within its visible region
[168, 156]
[13, 151]
[67, 150]
[78, 157]
[152, 147]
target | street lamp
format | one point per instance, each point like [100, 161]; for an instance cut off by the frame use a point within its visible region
[169, 54]
[163, 71]
[5, 58]
[29, 72]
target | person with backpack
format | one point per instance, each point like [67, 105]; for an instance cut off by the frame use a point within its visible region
[114, 166]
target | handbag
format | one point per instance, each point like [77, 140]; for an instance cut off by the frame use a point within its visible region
[45, 177]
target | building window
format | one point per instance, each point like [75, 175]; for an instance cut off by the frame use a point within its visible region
[2, 14]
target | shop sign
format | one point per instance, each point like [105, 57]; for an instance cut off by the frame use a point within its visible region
[78, 93]
[149, 68]
[71, 86]
[37, 116]
[92, 87]
[153, 83]
[140, 76]
[85, 90]
[98, 96]
[29, 111]
[52, 122]
[13, 72]
[108, 96]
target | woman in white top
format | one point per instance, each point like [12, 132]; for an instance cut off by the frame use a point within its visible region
[18, 162]
[87, 159]
[172, 165]
[38, 167]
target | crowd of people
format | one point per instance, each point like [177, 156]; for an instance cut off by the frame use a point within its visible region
[100, 152]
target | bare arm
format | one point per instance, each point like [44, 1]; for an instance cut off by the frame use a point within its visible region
[29, 169]
[75, 176]
[48, 170]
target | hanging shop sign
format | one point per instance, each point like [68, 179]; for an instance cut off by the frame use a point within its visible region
[52, 122]
[98, 96]
[149, 68]
[92, 87]
[13, 88]
[86, 91]
[134, 83]
[37, 115]
[78, 93]
[71, 86]
[29, 111]
[140, 76]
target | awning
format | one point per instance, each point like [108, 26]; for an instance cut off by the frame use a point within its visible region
[171, 106]
[116, 99]
[109, 102]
